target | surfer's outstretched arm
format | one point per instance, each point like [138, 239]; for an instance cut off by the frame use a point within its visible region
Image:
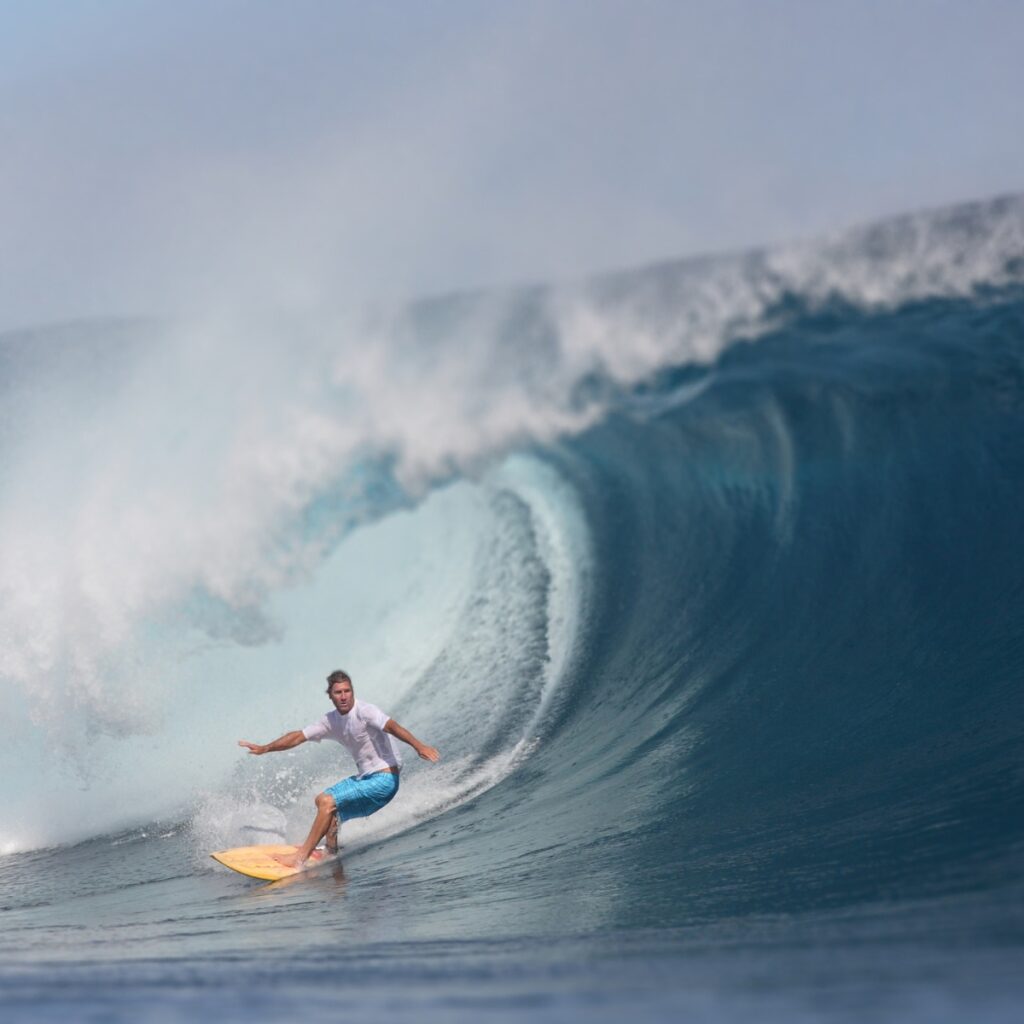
[285, 742]
[400, 733]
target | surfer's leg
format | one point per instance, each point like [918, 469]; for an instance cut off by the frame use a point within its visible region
[331, 839]
[325, 810]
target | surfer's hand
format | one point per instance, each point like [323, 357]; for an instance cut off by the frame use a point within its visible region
[253, 748]
[428, 753]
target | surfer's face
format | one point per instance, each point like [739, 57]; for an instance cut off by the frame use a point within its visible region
[342, 697]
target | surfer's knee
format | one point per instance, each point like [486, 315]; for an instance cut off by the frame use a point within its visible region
[325, 802]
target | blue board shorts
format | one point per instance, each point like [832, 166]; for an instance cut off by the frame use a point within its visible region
[357, 797]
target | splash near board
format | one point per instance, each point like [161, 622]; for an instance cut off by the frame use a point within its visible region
[258, 861]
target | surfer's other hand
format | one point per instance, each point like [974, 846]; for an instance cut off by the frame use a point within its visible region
[253, 748]
[428, 753]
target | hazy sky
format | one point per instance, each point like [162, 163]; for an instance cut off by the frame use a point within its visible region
[161, 157]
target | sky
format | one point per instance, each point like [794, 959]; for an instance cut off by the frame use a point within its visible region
[215, 155]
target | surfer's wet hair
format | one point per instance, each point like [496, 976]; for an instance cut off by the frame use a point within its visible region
[337, 676]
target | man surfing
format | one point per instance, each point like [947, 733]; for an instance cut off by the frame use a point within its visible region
[365, 731]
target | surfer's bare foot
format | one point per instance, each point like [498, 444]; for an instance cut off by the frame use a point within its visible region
[290, 860]
[331, 839]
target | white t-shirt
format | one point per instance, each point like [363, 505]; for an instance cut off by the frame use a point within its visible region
[362, 733]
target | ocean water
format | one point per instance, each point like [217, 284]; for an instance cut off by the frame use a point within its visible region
[706, 578]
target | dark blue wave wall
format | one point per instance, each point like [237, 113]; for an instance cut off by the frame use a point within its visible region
[802, 686]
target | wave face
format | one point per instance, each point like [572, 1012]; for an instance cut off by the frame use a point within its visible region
[803, 687]
[706, 579]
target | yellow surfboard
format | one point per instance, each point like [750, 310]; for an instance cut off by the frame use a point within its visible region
[258, 861]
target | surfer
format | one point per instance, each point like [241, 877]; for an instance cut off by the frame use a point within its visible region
[365, 731]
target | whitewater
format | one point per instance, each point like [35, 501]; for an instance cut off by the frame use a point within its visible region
[705, 578]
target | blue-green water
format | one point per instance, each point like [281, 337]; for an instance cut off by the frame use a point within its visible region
[707, 581]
